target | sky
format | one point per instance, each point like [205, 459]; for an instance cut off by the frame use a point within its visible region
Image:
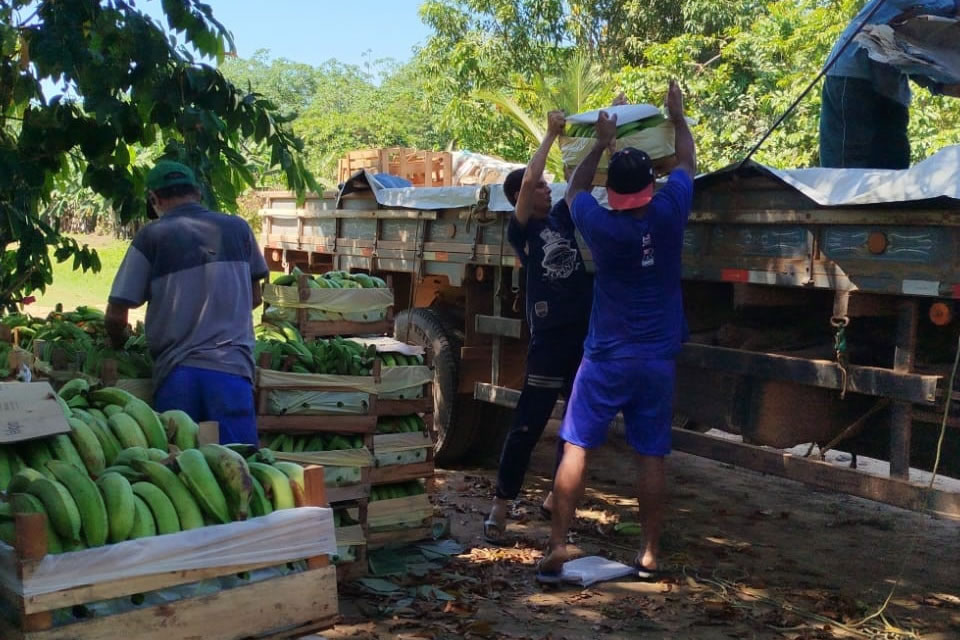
[314, 31]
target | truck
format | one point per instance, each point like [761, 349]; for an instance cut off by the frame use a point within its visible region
[821, 305]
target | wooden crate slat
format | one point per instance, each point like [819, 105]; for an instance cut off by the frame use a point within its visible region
[292, 601]
[378, 539]
[386, 407]
[319, 329]
[401, 472]
[318, 424]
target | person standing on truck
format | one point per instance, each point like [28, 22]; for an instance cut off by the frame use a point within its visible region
[558, 293]
[199, 272]
[864, 109]
[637, 326]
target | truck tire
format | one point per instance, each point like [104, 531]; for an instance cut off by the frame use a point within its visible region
[424, 327]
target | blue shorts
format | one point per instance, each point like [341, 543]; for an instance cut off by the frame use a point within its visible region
[641, 388]
[205, 394]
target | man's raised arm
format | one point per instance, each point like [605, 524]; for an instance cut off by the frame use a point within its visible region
[686, 150]
[582, 177]
[534, 172]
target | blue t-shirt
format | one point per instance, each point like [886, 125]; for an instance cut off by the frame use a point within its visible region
[558, 285]
[637, 299]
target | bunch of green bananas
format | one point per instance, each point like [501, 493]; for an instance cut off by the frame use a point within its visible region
[399, 360]
[82, 337]
[332, 280]
[114, 477]
[401, 424]
[590, 130]
[398, 490]
[289, 352]
[294, 443]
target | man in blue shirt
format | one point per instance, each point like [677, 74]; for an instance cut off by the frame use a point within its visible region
[199, 272]
[558, 310]
[637, 326]
[864, 107]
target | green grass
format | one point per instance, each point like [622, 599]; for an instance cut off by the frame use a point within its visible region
[75, 288]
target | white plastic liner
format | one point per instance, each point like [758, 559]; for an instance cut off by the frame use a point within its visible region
[392, 379]
[336, 300]
[386, 344]
[317, 403]
[280, 537]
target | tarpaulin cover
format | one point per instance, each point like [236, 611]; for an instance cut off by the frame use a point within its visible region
[280, 537]
[337, 300]
[923, 45]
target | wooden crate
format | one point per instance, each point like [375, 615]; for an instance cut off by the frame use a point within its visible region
[422, 168]
[281, 607]
[389, 474]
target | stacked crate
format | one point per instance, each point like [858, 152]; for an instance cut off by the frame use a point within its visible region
[347, 485]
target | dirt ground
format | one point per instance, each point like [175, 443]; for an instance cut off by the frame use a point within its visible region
[750, 556]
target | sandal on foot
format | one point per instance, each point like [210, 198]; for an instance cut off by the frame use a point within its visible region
[493, 531]
[549, 577]
[646, 574]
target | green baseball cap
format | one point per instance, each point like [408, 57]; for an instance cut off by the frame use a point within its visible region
[168, 173]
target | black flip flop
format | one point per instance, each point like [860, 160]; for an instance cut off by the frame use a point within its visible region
[548, 578]
[647, 575]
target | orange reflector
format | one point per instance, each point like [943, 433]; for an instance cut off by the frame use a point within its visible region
[941, 314]
[735, 275]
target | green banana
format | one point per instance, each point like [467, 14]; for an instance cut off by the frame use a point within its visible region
[196, 474]
[108, 442]
[127, 430]
[182, 431]
[22, 479]
[88, 446]
[26, 503]
[295, 473]
[118, 498]
[111, 410]
[75, 387]
[161, 507]
[93, 512]
[67, 411]
[111, 396]
[259, 505]
[78, 402]
[275, 483]
[6, 467]
[60, 506]
[62, 449]
[36, 454]
[130, 454]
[97, 413]
[187, 509]
[143, 523]
[233, 475]
[157, 455]
[126, 471]
[148, 421]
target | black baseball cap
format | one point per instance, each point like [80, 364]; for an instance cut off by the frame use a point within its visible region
[630, 179]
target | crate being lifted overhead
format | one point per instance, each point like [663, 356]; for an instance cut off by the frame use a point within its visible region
[422, 168]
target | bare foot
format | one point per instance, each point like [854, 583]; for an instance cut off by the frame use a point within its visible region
[646, 560]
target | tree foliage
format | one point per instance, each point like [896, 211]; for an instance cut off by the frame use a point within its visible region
[125, 83]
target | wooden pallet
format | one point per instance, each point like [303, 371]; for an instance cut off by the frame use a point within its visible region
[422, 168]
[283, 607]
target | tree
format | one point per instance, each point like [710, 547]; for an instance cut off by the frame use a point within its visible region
[125, 84]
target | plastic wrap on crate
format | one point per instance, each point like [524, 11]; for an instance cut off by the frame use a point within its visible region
[341, 468]
[399, 379]
[406, 512]
[657, 141]
[392, 379]
[292, 402]
[400, 448]
[267, 378]
[386, 344]
[337, 300]
[280, 537]
[318, 315]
